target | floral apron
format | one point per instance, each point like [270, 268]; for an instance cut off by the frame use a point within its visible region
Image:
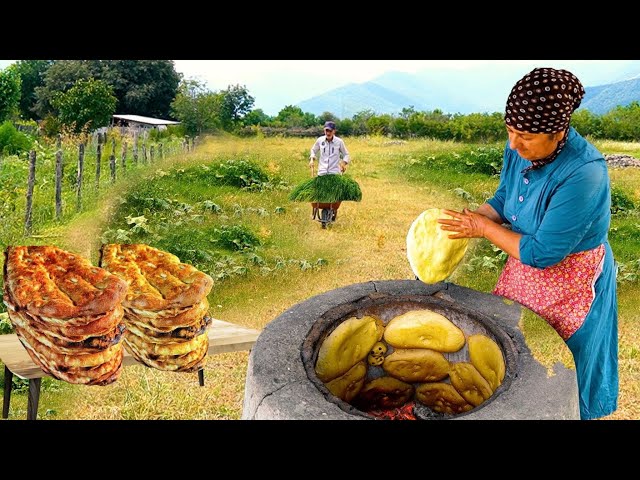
[562, 294]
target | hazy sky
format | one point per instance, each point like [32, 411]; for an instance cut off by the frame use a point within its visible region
[276, 83]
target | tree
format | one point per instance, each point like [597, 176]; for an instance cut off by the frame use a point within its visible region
[236, 103]
[379, 124]
[9, 93]
[327, 117]
[60, 77]
[32, 75]
[142, 87]
[256, 117]
[360, 120]
[622, 123]
[587, 123]
[88, 104]
[196, 107]
[292, 116]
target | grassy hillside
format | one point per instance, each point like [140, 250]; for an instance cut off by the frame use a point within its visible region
[225, 209]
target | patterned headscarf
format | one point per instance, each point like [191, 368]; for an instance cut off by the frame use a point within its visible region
[542, 102]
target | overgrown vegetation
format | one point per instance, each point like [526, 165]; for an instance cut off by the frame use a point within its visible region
[200, 224]
[13, 142]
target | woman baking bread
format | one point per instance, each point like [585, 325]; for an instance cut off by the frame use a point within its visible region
[554, 192]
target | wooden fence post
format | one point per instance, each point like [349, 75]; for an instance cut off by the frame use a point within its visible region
[160, 152]
[98, 162]
[124, 154]
[151, 153]
[30, 184]
[112, 160]
[144, 153]
[135, 147]
[59, 179]
[79, 177]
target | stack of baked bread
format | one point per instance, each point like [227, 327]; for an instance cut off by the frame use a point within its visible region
[165, 306]
[66, 312]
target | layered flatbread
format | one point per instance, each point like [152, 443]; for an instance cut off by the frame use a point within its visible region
[157, 280]
[51, 282]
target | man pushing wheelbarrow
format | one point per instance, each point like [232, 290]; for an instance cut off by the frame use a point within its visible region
[330, 187]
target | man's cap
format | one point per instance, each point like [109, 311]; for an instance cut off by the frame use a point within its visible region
[330, 125]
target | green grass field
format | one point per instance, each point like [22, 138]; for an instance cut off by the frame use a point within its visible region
[266, 254]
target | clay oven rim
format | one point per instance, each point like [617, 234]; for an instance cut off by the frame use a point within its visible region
[334, 316]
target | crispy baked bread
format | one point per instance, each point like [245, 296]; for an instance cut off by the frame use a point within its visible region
[189, 362]
[167, 320]
[51, 282]
[103, 374]
[102, 325]
[157, 280]
[151, 348]
[62, 344]
[60, 359]
[179, 334]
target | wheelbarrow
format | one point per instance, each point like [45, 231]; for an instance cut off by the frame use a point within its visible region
[325, 213]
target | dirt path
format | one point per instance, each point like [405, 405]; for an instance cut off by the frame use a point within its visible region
[83, 233]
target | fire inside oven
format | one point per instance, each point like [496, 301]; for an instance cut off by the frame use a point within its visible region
[408, 358]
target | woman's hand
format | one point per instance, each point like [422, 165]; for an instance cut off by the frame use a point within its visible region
[465, 224]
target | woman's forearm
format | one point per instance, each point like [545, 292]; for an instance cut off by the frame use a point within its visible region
[488, 211]
[500, 236]
[503, 238]
[481, 224]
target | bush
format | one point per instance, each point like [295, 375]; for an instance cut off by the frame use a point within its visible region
[236, 172]
[50, 126]
[13, 142]
[487, 160]
[621, 201]
[171, 131]
[236, 237]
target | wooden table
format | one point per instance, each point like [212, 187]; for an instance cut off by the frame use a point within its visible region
[224, 337]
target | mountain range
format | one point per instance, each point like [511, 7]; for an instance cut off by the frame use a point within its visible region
[481, 89]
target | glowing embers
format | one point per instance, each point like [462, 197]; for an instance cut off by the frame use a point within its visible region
[415, 357]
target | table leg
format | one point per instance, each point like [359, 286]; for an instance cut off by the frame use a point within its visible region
[201, 377]
[34, 398]
[6, 399]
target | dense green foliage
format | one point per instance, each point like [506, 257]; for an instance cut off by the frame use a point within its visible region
[201, 110]
[621, 123]
[142, 87]
[236, 172]
[292, 121]
[32, 75]
[9, 93]
[196, 107]
[12, 141]
[60, 77]
[236, 103]
[87, 105]
[621, 201]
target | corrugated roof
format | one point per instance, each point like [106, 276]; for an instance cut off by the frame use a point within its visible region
[147, 120]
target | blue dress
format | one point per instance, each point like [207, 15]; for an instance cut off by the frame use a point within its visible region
[560, 209]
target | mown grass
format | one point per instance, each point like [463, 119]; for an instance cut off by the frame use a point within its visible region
[294, 259]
